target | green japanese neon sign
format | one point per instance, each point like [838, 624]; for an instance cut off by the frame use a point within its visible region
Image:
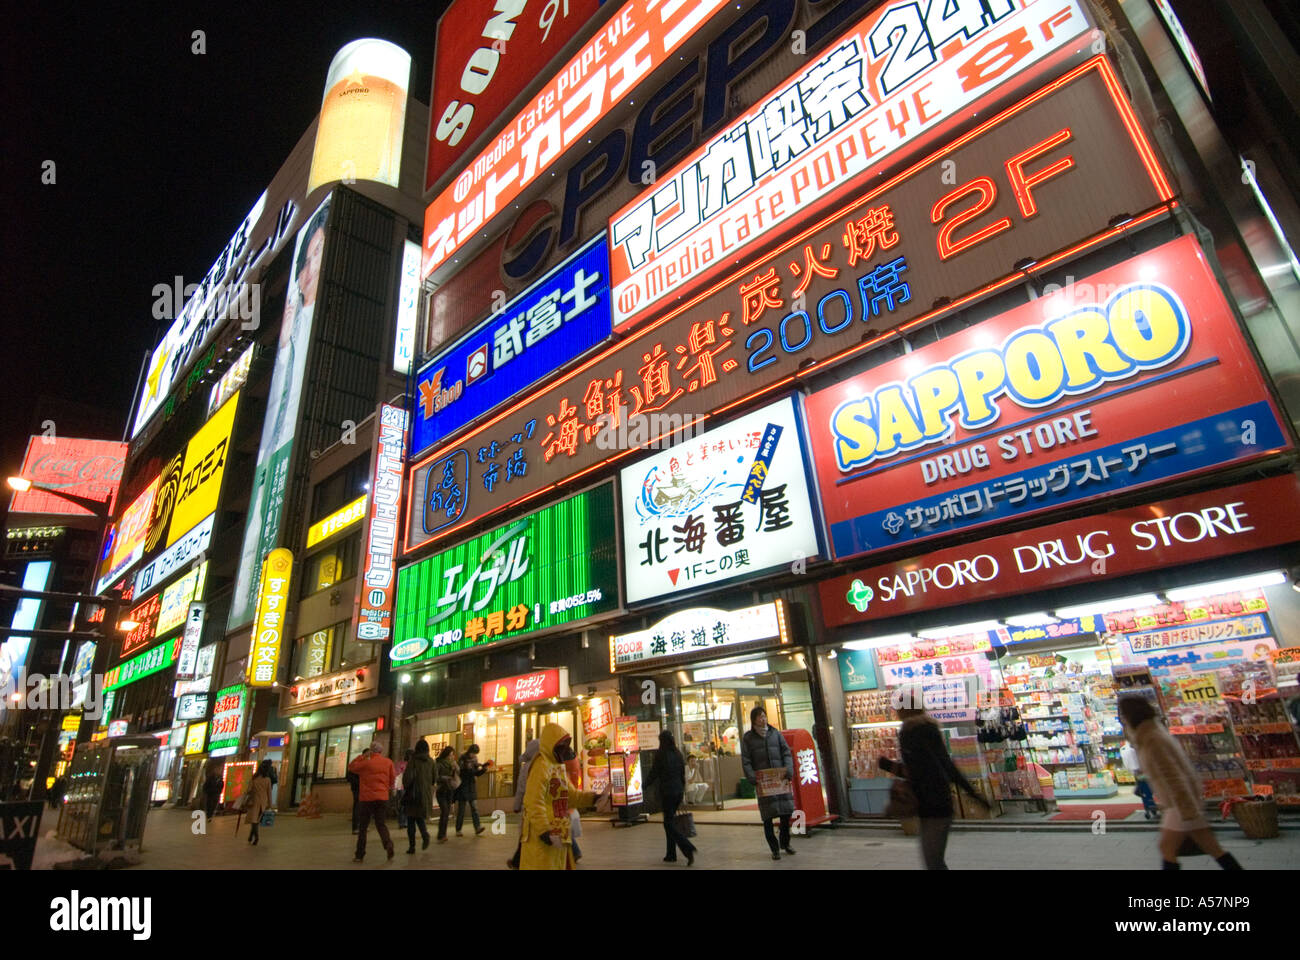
[550, 568]
[156, 658]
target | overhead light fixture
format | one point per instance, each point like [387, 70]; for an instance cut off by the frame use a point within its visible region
[21, 484]
[832, 655]
[126, 626]
[1254, 581]
[1030, 619]
[885, 641]
[1134, 602]
[427, 678]
[405, 678]
[961, 629]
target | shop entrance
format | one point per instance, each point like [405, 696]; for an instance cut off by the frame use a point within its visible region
[304, 768]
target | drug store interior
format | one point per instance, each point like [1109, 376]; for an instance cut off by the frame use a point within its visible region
[1028, 701]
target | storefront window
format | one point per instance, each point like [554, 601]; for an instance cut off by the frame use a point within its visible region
[341, 747]
[340, 488]
[329, 649]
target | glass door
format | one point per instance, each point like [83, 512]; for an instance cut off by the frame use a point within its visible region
[303, 770]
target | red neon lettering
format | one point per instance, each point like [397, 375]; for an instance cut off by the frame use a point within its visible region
[988, 193]
[1023, 185]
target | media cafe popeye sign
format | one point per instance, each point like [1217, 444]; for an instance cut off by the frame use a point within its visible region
[346, 686]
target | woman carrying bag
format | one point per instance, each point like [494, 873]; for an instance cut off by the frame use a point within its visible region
[670, 773]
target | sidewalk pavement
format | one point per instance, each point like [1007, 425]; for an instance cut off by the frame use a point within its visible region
[328, 844]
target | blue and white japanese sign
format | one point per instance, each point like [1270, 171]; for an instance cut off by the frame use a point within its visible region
[553, 322]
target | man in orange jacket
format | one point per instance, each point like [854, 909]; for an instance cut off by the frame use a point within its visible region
[377, 776]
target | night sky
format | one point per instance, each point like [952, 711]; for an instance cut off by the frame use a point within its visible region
[159, 153]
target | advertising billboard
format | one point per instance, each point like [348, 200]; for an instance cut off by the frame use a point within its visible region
[362, 115]
[192, 490]
[553, 322]
[1133, 376]
[630, 46]
[183, 551]
[337, 521]
[124, 544]
[156, 658]
[374, 616]
[223, 292]
[408, 308]
[268, 622]
[145, 615]
[187, 663]
[556, 566]
[698, 632]
[176, 597]
[486, 55]
[81, 468]
[227, 720]
[733, 60]
[527, 688]
[875, 90]
[1211, 524]
[731, 502]
[826, 295]
[262, 530]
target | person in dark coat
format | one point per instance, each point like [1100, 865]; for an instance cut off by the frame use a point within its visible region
[931, 773]
[763, 748]
[444, 779]
[354, 782]
[212, 787]
[417, 794]
[669, 772]
[467, 796]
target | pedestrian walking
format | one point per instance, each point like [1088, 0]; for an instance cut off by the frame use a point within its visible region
[447, 772]
[1167, 766]
[354, 784]
[417, 795]
[398, 796]
[548, 798]
[930, 772]
[376, 776]
[521, 782]
[257, 798]
[763, 748]
[467, 797]
[669, 772]
[57, 791]
[213, 784]
[1141, 785]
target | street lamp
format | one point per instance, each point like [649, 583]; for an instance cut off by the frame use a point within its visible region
[97, 507]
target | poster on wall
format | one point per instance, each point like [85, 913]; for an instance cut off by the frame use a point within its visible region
[262, 531]
[597, 740]
[731, 502]
[1137, 375]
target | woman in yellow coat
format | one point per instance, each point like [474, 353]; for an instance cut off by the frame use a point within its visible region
[548, 798]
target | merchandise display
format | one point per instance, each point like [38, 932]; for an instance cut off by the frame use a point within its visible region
[868, 746]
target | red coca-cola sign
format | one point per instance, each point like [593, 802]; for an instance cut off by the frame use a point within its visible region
[81, 468]
[539, 685]
[1202, 526]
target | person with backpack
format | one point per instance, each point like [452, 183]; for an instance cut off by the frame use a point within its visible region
[447, 774]
[467, 796]
[376, 774]
[417, 794]
[257, 798]
[669, 772]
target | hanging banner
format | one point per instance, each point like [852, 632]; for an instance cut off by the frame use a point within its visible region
[545, 328]
[732, 502]
[375, 604]
[876, 90]
[635, 42]
[268, 624]
[1202, 526]
[262, 529]
[1135, 376]
[826, 295]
